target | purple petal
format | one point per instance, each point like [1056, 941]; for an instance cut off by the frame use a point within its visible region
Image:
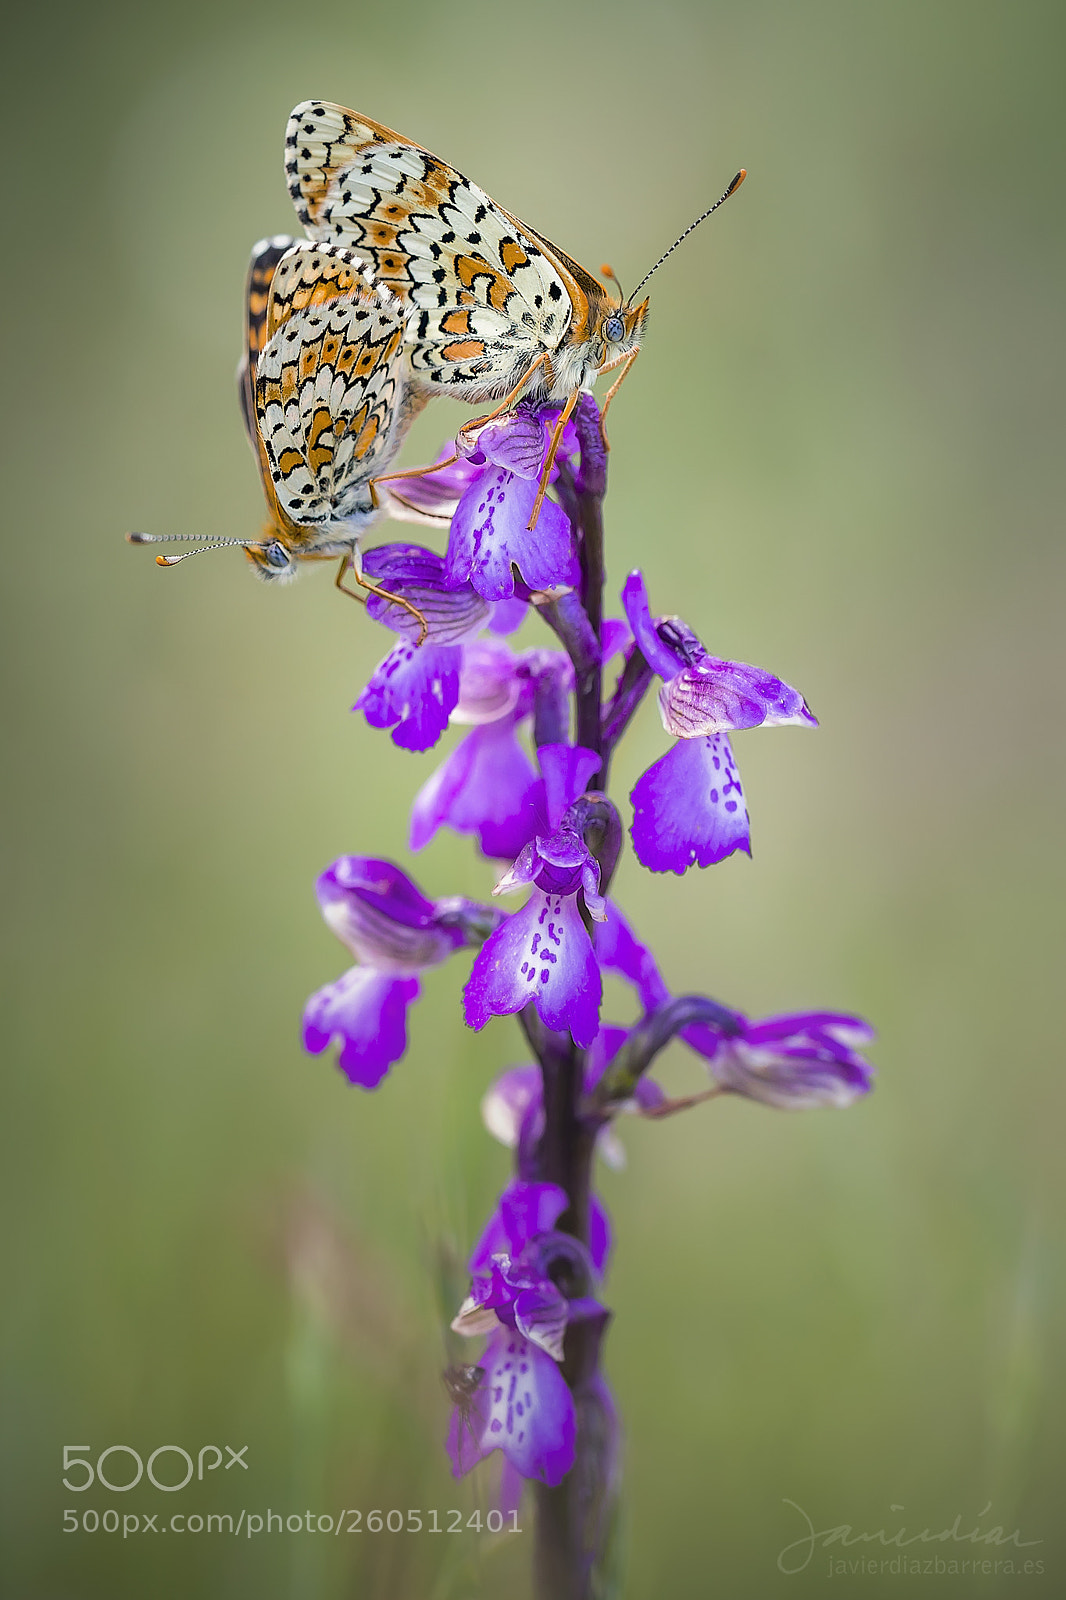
[380, 884]
[792, 1079]
[488, 533]
[559, 863]
[599, 1235]
[506, 1104]
[522, 870]
[490, 681]
[595, 904]
[715, 696]
[529, 1209]
[434, 495]
[635, 600]
[543, 954]
[523, 1211]
[367, 1012]
[518, 442]
[615, 636]
[509, 1499]
[604, 1047]
[840, 1026]
[523, 1408]
[508, 615]
[648, 1094]
[688, 809]
[704, 1039]
[416, 689]
[540, 1315]
[487, 786]
[567, 771]
[802, 1059]
[381, 917]
[619, 950]
[418, 575]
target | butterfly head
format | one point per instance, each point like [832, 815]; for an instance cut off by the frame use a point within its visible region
[622, 330]
[271, 559]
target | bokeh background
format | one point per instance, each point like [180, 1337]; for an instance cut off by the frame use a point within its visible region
[839, 455]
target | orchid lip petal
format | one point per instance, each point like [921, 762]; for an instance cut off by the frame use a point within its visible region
[522, 1407]
[542, 954]
[366, 1012]
[489, 537]
[689, 808]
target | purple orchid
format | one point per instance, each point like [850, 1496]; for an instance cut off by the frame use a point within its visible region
[415, 688]
[689, 808]
[522, 1405]
[489, 533]
[395, 933]
[488, 487]
[513, 1112]
[543, 953]
[488, 786]
[528, 780]
[793, 1062]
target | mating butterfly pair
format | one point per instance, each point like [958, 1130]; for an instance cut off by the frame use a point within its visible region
[415, 284]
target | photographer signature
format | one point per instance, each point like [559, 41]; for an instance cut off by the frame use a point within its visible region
[797, 1555]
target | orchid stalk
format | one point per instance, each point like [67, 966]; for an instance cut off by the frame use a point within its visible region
[529, 783]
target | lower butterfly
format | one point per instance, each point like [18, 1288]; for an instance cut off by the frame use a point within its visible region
[326, 404]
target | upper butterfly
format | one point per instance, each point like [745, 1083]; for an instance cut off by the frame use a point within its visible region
[494, 308]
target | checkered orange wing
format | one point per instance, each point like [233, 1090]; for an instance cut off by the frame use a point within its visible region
[486, 294]
[311, 275]
[261, 270]
[331, 409]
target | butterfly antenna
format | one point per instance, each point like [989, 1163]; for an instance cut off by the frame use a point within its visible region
[608, 272]
[733, 187]
[205, 541]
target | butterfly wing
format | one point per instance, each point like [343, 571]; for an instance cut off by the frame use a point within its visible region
[311, 275]
[262, 268]
[331, 409]
[486, 294]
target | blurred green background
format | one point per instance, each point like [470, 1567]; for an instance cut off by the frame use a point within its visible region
[839, 455]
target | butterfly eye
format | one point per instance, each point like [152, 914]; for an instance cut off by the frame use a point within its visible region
[276, 554]
[614, 330]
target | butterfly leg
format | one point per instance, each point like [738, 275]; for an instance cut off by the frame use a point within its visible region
[412, 472]
[543, 360]
[617, 384]
[549, 459]
[349, 561]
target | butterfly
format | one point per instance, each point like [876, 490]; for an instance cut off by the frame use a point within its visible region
[325, 401]
[494, 308]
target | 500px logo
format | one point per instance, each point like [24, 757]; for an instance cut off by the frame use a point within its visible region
[77, 1455]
